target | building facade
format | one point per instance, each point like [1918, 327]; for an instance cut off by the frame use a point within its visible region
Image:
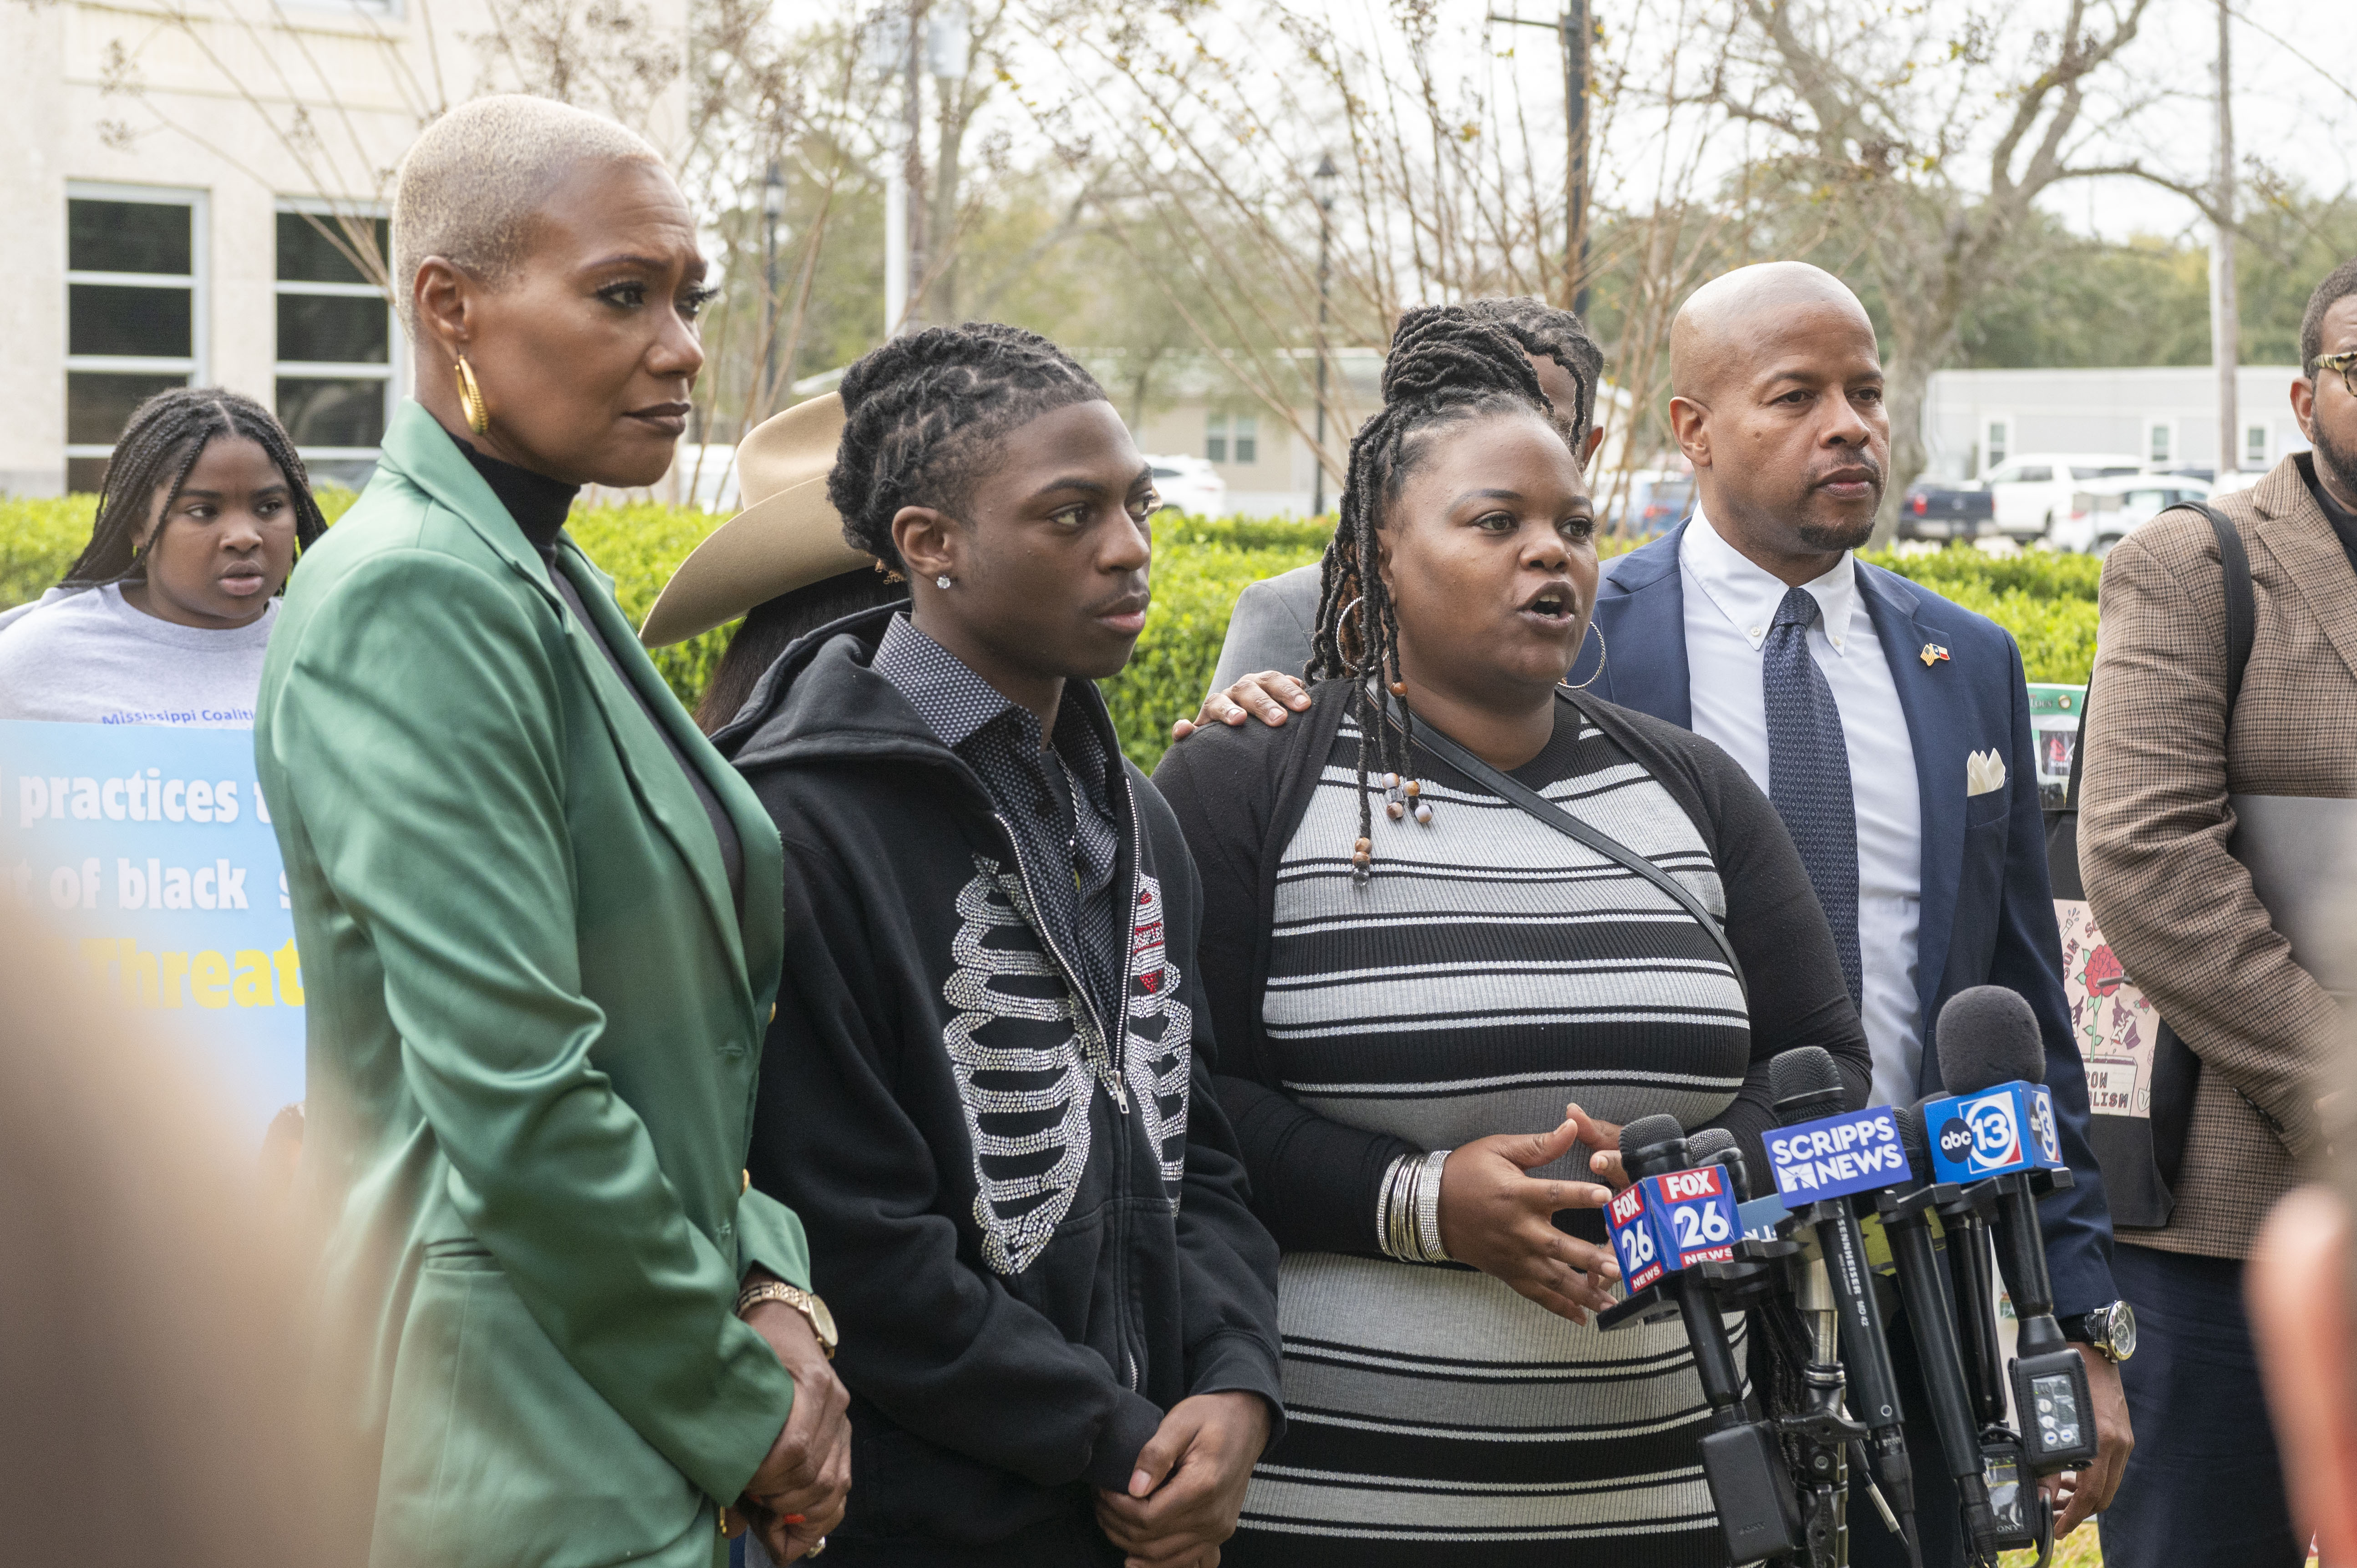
[193, 194]
[2164, 417]
[1267, 460]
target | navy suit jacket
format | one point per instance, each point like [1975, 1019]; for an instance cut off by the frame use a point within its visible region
[1987, 906]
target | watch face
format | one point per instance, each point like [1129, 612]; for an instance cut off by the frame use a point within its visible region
[820, 1319]
[2122, 1330]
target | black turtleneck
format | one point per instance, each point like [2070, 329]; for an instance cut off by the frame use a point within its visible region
[538, 503]
[539, 506]
[2344, 522]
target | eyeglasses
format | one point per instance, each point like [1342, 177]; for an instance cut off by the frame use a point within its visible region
[2345, 363]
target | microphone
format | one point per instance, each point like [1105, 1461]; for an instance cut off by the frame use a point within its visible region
[1826, 1151]
[1906, 1222]
[1675, 1218]
[1995, 1128]
[1716, 1147]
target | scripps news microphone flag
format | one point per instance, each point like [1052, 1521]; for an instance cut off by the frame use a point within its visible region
[144, 855]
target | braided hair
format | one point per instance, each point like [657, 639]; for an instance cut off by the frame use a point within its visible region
[160, 445]
[920, 412]
[1448, 364]
[1556, 335]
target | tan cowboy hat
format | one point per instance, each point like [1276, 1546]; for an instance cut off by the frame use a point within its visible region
[789, 536]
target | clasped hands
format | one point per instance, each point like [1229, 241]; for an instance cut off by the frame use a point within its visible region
[1497, 1218]
[1188, 1486]
[796, 1497]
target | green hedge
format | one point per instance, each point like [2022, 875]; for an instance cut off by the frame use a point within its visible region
[2047, 601]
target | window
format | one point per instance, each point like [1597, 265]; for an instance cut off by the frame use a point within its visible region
[2033, 473]
[2255, 446]
[135, 311]
[1216, 428]
[1996, 442]
[2159, 441]
[336, 334]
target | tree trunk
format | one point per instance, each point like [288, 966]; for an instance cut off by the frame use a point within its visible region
[956, 108]
[1905, 387]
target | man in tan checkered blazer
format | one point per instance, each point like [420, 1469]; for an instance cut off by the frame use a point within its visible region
[2204, 1486]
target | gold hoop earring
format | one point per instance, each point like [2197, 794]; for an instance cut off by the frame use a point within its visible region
[470, 399]
[1602, 655]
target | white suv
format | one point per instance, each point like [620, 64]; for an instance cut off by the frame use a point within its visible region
[1190, 485]
[2105, 511]
[2032, 489]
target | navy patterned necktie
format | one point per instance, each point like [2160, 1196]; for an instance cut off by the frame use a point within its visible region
[1808, 772]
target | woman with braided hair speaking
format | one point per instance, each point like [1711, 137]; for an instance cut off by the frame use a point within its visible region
[1411, 974]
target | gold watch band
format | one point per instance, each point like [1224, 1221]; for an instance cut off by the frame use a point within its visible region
[821, 1321]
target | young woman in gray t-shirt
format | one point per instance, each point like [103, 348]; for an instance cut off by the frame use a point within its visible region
[164, 617]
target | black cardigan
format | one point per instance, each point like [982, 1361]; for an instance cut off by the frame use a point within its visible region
[1239, 795]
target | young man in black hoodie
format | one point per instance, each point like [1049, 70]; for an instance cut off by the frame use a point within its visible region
[984, 1089]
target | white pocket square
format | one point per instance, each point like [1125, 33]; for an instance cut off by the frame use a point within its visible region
[1983, 771]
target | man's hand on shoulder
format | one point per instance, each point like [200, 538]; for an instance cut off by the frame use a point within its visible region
[1265, 696]
[1190, 1484]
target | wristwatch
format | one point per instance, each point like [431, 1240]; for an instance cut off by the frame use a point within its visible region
[2109, 1331]
[821, 1321]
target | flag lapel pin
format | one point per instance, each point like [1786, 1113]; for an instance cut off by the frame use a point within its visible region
[1932, 654]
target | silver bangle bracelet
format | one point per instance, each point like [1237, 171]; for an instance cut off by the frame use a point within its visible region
[1407, 1214]
[1391, 1205]
[1428, 1206]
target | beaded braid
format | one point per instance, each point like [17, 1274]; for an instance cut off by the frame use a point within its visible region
[159, 445]
[1447, 364]
[919, 410]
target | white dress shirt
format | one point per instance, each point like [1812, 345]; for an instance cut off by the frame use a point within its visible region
[1730, 603]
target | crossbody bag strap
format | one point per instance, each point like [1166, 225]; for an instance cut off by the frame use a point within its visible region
[1572, 827]
[2242, 632]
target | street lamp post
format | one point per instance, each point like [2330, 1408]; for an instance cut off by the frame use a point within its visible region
[1323, 182]
[773, 206]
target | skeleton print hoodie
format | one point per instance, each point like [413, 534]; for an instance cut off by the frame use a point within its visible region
[1032, 1228]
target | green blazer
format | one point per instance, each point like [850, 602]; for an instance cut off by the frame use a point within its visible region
[534, 1021]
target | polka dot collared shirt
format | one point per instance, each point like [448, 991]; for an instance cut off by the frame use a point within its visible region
[1056, 800]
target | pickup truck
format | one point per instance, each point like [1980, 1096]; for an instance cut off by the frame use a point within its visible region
[1933, 509]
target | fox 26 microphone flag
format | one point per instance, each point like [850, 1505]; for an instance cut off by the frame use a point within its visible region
[142, 858]
[1662, 1223]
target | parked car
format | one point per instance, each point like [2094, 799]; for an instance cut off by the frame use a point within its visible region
[2033, 489]
[1934, 508]
[2103, 512]
[1657, 501]
[1190, 485]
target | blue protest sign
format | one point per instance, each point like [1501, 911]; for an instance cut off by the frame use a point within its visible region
[1992, 1132]
[1837, 1156]
[145, 855]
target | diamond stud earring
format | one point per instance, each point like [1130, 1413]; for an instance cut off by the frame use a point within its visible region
[942, 581]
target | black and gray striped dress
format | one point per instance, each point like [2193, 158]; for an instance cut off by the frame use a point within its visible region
[1492, 970]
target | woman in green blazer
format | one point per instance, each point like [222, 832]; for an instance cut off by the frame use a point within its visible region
[539, 919]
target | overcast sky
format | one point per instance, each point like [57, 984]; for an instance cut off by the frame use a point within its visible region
[2295, 73]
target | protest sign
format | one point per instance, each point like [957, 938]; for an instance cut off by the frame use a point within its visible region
[144, 856]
